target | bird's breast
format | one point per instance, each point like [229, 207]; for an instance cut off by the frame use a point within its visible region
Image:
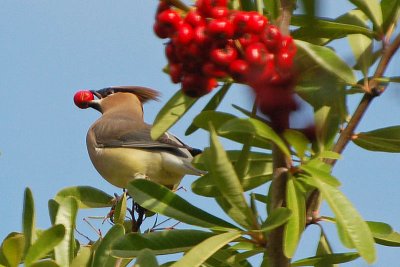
[121, 165]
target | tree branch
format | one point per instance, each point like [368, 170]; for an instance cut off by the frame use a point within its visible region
[373, 90]
[281, 163]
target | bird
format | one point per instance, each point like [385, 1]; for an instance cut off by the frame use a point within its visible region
[120, 145]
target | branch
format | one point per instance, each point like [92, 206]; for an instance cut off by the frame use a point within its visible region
[372, 92]
[313, 202]
[285, 16]
[281, 163]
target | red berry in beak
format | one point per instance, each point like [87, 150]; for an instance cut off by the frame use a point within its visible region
[82, 98]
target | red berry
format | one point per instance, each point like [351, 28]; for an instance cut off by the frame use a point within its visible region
[162, 5]
[82, 98]
[192, 52]
[271, 37]
[287, 45]
[284, 61]
[192, 67]
[160, 30]
[220, 28]
[195, 85]
[223, 3]
[256, 23]
[239, 70]
[219, 12]
[275, 101]
[240, 21]
[185, 34]
[248, 38]
[200, 37]
[175, 72]
[170, 53]
[205, 6]
[209, 69]
[268, 69]
[169, 19]
[256, 54]
[223, 55]
[194, 18]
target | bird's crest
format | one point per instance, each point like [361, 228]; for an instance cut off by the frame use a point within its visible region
[143, 93]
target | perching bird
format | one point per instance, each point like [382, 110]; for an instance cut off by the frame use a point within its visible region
[119, 142]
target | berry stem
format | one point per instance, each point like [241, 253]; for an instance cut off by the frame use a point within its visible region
[178, 4]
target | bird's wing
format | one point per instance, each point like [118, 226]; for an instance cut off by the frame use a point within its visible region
[125, 132]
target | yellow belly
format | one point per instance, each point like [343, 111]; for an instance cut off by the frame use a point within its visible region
[119, 166]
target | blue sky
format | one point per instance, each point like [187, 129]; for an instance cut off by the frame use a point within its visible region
[51, 49]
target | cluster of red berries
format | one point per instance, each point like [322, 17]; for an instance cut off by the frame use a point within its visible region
[211, 42]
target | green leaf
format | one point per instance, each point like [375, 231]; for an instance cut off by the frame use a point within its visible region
[82, 258]
[160, 243]
[325, 260]
[297, 140]
[45, 263]
[13, 248]
[361, 46]
[325, 58]
[45, 243]
[295, 201]
[102, 255]
[159, 199]
[228, 183]
[390, 240]
[384, 139]
[390, 13]
[383, 234]
[217, 119]
[172, 111]
[348, 218]
[28, 219]
[247, 5]
[200, 253]
[324, 248]
[261, 198]
[326, 154]
[146, 258]
[380, 228]
[53, 208]
[372, 9]
[277, 218]
[319, 87]
[258, 173]
[326, 127]
[257, 128]
[322, 175]
[326, 28]
[87, 197]
[66, 215]
[272, 8]
[120, 210]
[211, 105]
[395, 79]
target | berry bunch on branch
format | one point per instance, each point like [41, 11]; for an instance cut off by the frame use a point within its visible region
[211, 42]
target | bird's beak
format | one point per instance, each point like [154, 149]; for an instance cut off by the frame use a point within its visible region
[96, 94]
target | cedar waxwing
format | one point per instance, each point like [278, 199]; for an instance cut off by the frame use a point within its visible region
[119, 142]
